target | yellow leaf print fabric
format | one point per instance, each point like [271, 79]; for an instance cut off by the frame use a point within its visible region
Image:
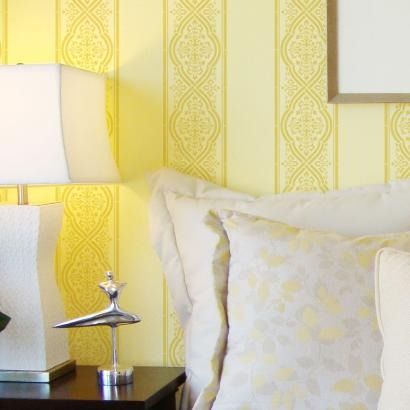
[302, 324]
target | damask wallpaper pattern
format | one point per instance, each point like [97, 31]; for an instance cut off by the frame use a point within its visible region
[86, 247]
[86, 37]
[192, 36]
[397, 120]
[194, 100]
[194, 107]
[306, 128]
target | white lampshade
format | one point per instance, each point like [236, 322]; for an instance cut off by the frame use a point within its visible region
[53, 126]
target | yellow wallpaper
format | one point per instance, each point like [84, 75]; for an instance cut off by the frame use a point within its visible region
[194, 108]
[397, 141]
[306, 134]
[194, 81]
[86, 37]
[229, 90]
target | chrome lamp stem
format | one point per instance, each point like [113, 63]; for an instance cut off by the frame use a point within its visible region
[114, 347]
[22, 194]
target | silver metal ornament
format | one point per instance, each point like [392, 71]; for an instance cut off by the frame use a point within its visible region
[113, 316]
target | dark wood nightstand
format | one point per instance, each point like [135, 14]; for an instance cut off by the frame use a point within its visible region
[153, 388]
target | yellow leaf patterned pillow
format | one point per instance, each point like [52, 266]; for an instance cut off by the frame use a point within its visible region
[303, 332]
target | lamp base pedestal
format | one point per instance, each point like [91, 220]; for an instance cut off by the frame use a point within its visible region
[45, 376]
[114, 376]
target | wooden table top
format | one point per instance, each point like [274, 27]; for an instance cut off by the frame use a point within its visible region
[151, 384]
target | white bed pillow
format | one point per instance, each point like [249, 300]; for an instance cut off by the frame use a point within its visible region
[393, 312]
[303, 331]
[356, 211]
[186, 245]
[162, 228]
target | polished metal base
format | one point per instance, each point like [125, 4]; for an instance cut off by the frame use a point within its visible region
[114, 376]
[31, 376]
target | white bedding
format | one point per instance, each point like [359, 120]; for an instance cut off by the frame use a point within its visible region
[302, 319]
[185, 245]
[392, 277]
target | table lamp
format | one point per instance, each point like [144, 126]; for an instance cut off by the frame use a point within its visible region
[52, 131]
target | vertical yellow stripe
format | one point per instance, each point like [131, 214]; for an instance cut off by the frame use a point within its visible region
[116, 56]
[57, 60]
[4, 56]
[195, 97]
[362, 144]
[251, 95]
[386, 142]
[277, 96]
[398, 155]
[224, 92]
[165, 160]
[165, 80]
[58, 25]
[306, 138]
[116, 132]
[141, 150]
[87, 37]
[336, 147]
[31, 31]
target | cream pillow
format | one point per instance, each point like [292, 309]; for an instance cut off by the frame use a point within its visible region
[196, 244]
[186, 245]
[393, 312]
[356, 211]
[162, 228]
[302, 323]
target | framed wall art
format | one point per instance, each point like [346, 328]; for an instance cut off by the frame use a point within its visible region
[368, 57]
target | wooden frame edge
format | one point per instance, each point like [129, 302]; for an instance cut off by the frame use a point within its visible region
[332, 51]
[369, 98]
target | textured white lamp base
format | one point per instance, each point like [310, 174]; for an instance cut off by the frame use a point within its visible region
[28, 291]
